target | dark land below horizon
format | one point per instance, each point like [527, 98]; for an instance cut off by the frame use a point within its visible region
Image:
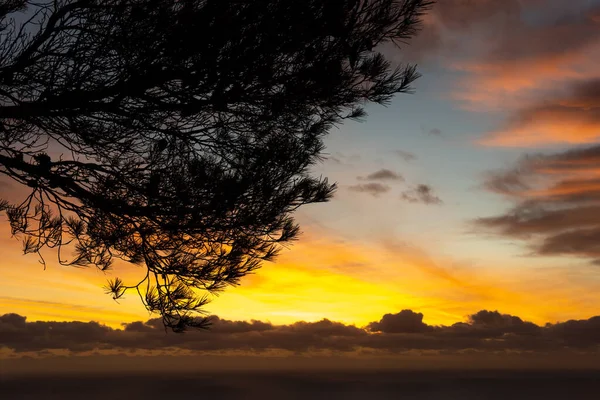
[372, 384]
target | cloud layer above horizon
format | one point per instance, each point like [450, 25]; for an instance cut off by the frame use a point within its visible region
[484, 331]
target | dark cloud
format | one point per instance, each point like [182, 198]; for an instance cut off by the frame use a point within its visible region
[497, 324]
[343, 159]
[565, 32]
[451, 23]
[510, 51]
[334, 160]
[449, 17]
[383, 175]
[506, 182]
[585, 94]
[504, 24]
[406, 321]
[20, 335]
[577, 334]
[226, 326]
[557, 198]
[373, 188]
[531, 219]
[435, 132]
[404, 331]
[579, 242]
[421, 194]
[464, 14]
[405, 155]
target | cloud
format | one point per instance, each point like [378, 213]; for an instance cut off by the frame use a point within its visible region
[451, 16]
[374, 189]
[383, 175]
[435, 132]
[462, 15]
[484, 331]
[495, 324]
[343, 159]
[577, 333]
[421, 194]
[572, 118]
[557, 202]
[548, 37]
[334, 160]
[406, 321]
[508, 58]
[405, 155]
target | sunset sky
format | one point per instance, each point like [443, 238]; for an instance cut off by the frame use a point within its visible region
[480, 191]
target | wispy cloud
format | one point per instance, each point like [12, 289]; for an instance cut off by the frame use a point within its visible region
[383, 174]
[375, 189]
[572, 118]
[557, 198]
[421, 194]
[405, 155]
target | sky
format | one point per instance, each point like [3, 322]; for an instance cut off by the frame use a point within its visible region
[467, 219]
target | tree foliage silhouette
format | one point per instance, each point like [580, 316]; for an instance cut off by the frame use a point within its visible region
[179, 134]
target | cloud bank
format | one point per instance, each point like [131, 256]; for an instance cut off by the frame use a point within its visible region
[484, 331]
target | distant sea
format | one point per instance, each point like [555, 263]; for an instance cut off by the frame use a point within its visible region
[367, 385]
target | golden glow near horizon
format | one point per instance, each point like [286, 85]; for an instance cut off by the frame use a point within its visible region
[317, 278]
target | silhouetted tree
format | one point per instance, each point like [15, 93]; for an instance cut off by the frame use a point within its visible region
[178, 134]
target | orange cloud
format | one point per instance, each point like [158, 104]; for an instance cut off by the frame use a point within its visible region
[571, 118]
[522, 61]
[510, 84]
[551, 125]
